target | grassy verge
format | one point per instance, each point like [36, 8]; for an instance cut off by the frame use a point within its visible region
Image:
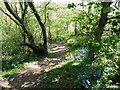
[10, 64]
[76, 72]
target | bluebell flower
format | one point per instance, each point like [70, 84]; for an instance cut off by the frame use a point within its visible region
[84, 51]
[68, 59]
[88, 58]
[88, 82]
[46, 78]
[92, 68]
[98, 82]
[86, 86]
[75, 71]
[79, 58]
[81, 54]
[84, 75]
[77, 50]
[18, 58]
[71, 56]
[97, 87]
[115, 59]
[107, 71]
[95, 74]
[83, 81]
[83, 47]
[98, 71]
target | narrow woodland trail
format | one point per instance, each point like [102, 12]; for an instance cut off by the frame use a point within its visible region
[29, 76]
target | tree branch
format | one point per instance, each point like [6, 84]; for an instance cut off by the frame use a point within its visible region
[24, 44]
[46, 11]
[20, 3]
[9, 16]
[12, 12]
[116, 17]
[24, 10]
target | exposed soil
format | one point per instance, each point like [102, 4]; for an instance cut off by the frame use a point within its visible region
[29, 76]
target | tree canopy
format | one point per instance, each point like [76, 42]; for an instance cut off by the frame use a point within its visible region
[83, 38]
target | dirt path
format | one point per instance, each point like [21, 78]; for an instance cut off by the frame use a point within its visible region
[29, 76]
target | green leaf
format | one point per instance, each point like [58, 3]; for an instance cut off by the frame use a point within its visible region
[71, 5]
[91, 3]
[114, 30]
[114, 23]
[109, 9]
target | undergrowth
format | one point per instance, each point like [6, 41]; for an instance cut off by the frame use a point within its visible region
[76, 72]
[11, 64]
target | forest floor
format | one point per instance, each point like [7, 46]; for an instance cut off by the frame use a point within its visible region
[29, 76]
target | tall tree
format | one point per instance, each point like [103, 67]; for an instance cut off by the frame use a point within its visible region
[98, 32]
[42, 25]
[21, 21]
[102, 21]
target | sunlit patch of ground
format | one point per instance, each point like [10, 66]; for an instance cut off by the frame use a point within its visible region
[29, 76]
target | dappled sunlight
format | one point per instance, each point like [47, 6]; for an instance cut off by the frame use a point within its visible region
[79, 73]
[30, 79]
[51, 45]
[58, 50]
[28, 84]
[29, 76]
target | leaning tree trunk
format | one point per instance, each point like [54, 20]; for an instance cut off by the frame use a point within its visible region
[41, 25]
[102, 22]
[20, 21]
[99, 30]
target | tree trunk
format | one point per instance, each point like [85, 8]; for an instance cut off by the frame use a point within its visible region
[49, 34]
[29, 35]
[99, 31]
[75, 29]
[102, 22]
[39, 50]
[40, 23]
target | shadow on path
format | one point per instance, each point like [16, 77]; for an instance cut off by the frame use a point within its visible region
[29, 76]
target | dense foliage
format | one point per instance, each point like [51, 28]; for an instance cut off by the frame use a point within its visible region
[92, 32]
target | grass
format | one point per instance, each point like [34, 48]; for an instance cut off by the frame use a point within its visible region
[10, 64]
[10, 72]
[76, 72]
[55, 40]
[77, 41]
